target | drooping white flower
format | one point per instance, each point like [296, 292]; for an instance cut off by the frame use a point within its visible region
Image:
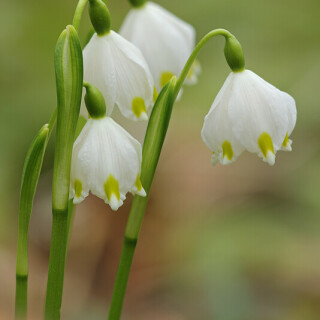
[118, 69]
[249, 114]
[165, 41]
[106, 160]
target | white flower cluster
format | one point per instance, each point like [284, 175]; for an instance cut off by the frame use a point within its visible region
[128, 70]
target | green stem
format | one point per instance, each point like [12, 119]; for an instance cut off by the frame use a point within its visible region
[118, 294]
[139, 204]
[21, 296]
[58, 249]
[195, 52]
[129, 244]
[78, 13]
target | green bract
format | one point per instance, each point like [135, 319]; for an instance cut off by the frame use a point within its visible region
[69, 79]
[156, 132]
[155, 135]
[94, 100]
[99, 16]
[234, 54]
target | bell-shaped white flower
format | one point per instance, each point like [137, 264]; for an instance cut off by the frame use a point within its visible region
[118, 69]
[106, 160]
[249, 114]
[165, 41]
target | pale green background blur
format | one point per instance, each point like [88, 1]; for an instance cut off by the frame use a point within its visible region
[240, 242]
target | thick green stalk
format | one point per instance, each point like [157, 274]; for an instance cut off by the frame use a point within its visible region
[21, 296]
[155, 135]
[59, 240]
[69, 79]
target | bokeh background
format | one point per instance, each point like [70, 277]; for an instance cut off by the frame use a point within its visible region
[240, 242]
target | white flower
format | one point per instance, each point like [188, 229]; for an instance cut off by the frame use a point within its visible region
[118, 69]
[165, 41]
[249, 114]
[106, 160]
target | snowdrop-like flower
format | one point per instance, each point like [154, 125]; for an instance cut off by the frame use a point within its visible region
[118, 69]
[249, 114]
[165, 41]
[106, 159]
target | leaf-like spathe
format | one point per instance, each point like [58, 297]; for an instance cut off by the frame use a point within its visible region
[69, 80]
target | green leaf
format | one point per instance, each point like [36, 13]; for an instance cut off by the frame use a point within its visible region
[69, 79]
[30, 177]
[156, 132]
[155, 135]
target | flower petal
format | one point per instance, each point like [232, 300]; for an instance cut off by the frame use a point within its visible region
[165, 40]
[217, 131]
[257, 107]
[107, 160]
[118, 69]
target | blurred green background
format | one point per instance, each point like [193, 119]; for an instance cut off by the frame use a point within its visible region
[239, 242]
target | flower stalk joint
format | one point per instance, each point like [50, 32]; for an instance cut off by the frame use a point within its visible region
[94, 101]
[100, 17]
[137, 3]
[234, 54]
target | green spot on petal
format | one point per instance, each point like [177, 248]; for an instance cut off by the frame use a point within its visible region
[285, 141]
[138, 106]
[155, 94]
[265, 144]
[77, 188]
[138, 183]
[111, 187]
[227, 150]
[165, 77]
